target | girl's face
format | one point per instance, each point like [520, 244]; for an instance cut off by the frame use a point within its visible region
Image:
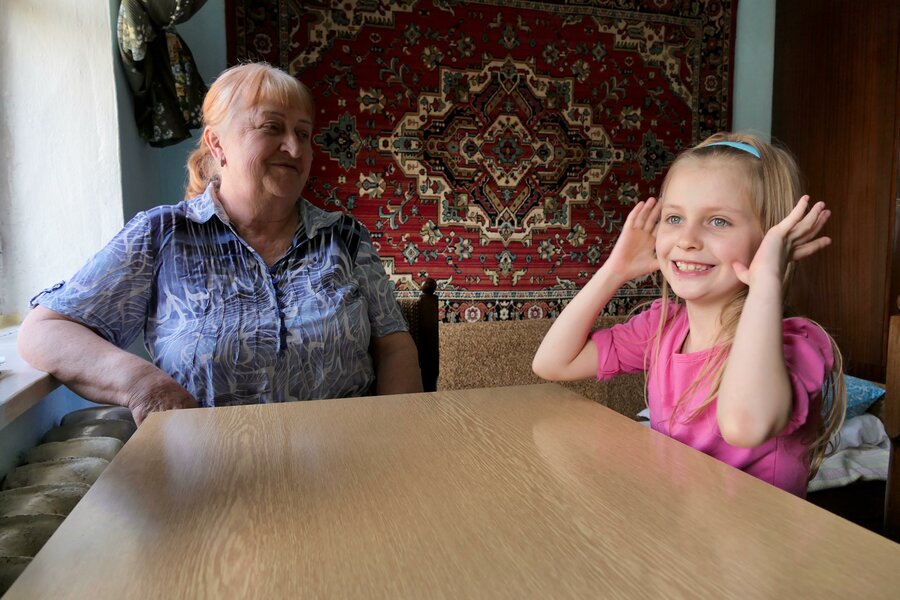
[707, 223]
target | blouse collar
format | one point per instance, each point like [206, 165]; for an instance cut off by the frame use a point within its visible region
[201, 209]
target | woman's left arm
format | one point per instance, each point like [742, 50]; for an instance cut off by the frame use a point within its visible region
[396, 364]
[393, 349]
[755, 397]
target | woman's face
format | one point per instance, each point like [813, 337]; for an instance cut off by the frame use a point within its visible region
[707, 224]
[268, 151]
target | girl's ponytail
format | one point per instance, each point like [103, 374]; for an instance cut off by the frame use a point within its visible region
[834, 398]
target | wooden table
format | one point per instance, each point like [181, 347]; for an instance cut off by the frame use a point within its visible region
[516, 492]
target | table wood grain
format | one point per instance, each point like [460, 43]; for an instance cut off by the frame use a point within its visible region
[516, 492]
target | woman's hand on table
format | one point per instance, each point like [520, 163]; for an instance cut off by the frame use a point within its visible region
[157, 392]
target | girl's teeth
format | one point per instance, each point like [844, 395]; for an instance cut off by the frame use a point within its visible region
[690, 267]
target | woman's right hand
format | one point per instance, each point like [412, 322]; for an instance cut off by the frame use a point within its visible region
[156, 392]
[94, 368]
[634, 254]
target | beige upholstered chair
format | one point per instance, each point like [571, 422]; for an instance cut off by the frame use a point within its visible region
[499, 353]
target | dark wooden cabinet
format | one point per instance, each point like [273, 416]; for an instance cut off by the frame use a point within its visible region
[836, 105]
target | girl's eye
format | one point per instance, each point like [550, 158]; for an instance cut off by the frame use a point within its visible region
[672, 220]
[719, 222]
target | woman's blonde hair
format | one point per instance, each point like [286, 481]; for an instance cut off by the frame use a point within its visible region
[774, 186]
[238, 88]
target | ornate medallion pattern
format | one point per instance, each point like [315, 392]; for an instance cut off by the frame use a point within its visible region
[497, 146]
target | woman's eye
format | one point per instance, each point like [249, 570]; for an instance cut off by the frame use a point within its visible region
[719, 222]
[271, 126]
[673, 220]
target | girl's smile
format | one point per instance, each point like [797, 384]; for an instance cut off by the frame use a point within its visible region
[684, 268]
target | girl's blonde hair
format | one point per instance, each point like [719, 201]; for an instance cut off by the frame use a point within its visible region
[774, 185]
[238, 88]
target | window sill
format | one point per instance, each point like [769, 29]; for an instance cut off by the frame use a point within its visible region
[21, 386]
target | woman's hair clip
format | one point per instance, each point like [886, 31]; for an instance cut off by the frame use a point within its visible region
[739, 145]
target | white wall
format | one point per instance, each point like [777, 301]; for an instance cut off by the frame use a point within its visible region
[60, 183]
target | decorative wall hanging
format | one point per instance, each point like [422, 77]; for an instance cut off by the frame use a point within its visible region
[497, 146]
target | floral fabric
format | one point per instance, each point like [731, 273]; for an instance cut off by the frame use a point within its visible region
[168, 91]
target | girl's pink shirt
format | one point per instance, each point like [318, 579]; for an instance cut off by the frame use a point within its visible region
[782, 461]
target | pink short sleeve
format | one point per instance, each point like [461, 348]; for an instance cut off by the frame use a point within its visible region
[621, 348]
[808, 357]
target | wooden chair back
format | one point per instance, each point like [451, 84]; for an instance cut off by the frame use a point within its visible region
[892, 426]
[422, 317]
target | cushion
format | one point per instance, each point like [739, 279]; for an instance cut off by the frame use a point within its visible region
[861, 394]
[92, 428]
[10, 568]
[99, 446]
[24, 535]
[85, 469]
[43, 499]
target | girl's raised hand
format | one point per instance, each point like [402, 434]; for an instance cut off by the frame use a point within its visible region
[792, 239]
[633, 255]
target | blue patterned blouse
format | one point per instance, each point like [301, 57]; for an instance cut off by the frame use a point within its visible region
[225, 325]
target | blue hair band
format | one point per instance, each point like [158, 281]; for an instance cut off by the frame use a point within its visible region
[740, 146]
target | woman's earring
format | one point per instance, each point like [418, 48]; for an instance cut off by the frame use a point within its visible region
[222, 161]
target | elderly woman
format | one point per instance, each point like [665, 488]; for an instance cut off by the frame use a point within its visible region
[244, 291]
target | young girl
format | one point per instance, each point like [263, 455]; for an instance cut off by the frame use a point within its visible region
[726, 373]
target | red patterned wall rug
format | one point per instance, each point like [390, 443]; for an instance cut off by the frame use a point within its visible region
[497, 145]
